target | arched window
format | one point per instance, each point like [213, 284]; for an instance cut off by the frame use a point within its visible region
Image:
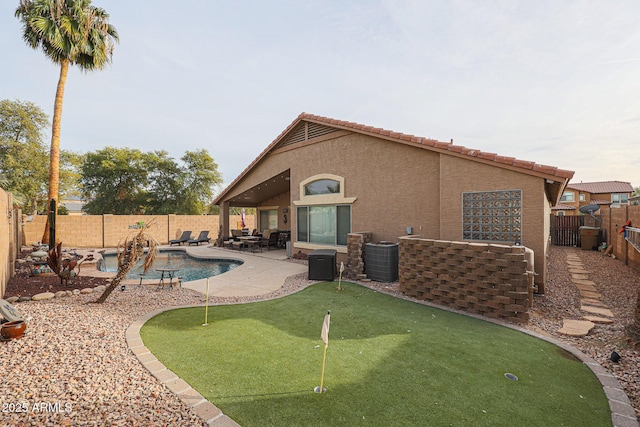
[323, 212]
[322, 186]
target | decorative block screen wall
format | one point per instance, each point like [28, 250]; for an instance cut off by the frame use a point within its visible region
[487, 279]
[492, 215]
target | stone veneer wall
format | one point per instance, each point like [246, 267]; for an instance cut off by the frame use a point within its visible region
[486, 279]
[356, 243]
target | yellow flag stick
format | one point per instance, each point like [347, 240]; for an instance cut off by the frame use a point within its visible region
[206, 306]
[325, 338]
[324, 358]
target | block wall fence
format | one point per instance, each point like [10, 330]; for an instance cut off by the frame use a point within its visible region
[486, 279]
[10, 238]
[107, 231]
[612, 222]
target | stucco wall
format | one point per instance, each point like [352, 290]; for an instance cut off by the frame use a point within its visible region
[382, 175]
[396, 186]
[461, 175]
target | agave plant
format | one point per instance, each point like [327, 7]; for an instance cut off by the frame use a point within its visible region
[129, 254]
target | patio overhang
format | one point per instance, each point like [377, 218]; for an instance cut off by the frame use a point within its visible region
[259, 193]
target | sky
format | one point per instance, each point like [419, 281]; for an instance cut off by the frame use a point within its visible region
[554, 82]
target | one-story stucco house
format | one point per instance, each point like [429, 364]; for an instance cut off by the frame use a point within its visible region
[323, 179]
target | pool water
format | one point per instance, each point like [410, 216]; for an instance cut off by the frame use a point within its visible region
[188, 268]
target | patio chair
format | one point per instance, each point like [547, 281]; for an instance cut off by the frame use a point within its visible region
[228, 243]
[267, 241]
[186, 235]
[203, 237]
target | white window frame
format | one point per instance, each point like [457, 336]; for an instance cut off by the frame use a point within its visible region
[331, 199]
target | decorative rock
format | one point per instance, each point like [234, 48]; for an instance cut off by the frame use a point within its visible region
[86, 291]
[576, 328]
[11, 300]
[76, 292]
[38, 254]
[69, 293]
[100, 288]
[8, 312]
[43, 296]
[61, 294]
[24, 298]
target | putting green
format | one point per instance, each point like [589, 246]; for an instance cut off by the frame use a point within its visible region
[389, 362]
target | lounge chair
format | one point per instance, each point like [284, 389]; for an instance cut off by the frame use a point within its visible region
[186, 235]
[203, 237]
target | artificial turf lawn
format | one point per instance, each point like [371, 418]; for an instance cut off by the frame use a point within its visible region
[390, 362]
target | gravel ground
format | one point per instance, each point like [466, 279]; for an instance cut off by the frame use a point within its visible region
[73, 367]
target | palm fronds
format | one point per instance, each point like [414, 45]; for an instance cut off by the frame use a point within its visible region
[130, 253]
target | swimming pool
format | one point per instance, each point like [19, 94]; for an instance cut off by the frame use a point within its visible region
[189, 268]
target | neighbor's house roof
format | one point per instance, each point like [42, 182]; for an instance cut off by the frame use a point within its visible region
[551, 173]
[563, 208]
[602, 187]
[600, 202]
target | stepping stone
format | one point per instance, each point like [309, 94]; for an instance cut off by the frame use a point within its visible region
[589, 294]
[593, 301]
[576, 328]
[576, 264]
[597, 310]
[588, 288]
[578, 271]
[596, 319]
[584, 282]
[579, 277]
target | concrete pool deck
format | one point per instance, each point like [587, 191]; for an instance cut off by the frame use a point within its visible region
[258, 275]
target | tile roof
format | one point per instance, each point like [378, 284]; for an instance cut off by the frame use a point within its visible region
[563, 208]
[432, 144]
[600, 202]
[435, 145]
[602, 187]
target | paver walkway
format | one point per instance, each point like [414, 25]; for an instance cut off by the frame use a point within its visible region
[595, 310]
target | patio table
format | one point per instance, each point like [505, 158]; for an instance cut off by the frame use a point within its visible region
[166, 273]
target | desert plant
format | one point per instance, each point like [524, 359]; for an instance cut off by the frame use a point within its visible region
[129, 254]
[64, 267]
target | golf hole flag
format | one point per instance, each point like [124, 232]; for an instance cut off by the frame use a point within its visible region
[325, 339]
[325, 329]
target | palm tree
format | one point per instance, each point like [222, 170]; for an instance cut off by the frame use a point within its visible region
[132, 251]
[70, 32]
